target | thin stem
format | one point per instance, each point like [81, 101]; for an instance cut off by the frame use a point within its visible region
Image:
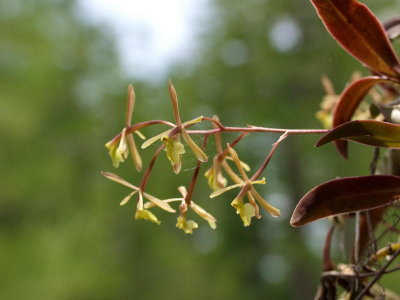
[328, 265]
[269, 156]
[374, 162]
[146, 175]
[359, 275]
[224, 153]
[357, 248]
[137, 126]
[216, 123]
[378, 276]
[188, 197]
[258, 129]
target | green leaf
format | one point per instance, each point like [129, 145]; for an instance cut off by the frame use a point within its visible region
[346, 195]
[360, 33]
[368, 132]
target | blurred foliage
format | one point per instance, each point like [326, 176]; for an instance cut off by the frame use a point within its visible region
[62, 96]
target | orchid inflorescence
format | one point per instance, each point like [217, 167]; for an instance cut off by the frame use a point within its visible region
[217, 175]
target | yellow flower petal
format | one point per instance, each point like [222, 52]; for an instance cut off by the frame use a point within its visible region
[119, 180]
[221, 191]
[136, 159]
[116, 156]
[246, 211]
[186, 226]
[146, 215]
[245, 166]
[214, 176]
[182, 190]
[123, 146]
[201, 156]
[268, 207]
[174, 149]
[154, 139]
[160, 203]
[127, 198]
[194, 121]
[140, 135]
[236, 160]
[204, 214]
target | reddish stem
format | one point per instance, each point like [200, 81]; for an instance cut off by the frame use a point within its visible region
[146, 175]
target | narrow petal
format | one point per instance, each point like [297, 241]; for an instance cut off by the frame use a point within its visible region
[260, 181]
[136, 159]
[228, 188]
[154, 139]
[127, 198]
[201, 156]
[160, 203]
[230, 172]
[268, 207]
[130, 104]
[204, 214]
[236, 160]
[119, 180]
[151, 204]
[140, 135]
[183, 191]
[177, 167]
[174, 100]
[194, 121]
[122, 149]
[245, 166]
[140, 202]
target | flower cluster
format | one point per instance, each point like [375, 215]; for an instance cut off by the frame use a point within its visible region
[173, 141]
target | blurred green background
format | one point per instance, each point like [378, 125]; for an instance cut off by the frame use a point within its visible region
[63, 234]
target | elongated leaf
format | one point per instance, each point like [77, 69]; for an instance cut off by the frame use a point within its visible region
[368, 132]
[346, 195]
[348, 103]
[360, 33]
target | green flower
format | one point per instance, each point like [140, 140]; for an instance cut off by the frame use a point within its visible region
[245, 210]
[214, 176]
[118, 151]
[174, 151]
[146, 215]
[119, 148]
[176, 148]
[196, 208]
[142, 211]
[186, 225]
[247, 187]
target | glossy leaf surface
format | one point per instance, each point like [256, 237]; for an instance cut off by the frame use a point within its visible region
[368, 132]
[348, 102]
[346, 195]
[360, 33]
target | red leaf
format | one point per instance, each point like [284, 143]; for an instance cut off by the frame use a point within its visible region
[346, 195]
[360, 33]
[368, 132]
[348, 103]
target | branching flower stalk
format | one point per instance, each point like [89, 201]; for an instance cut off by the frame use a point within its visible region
[360, 33]
[218, 174]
